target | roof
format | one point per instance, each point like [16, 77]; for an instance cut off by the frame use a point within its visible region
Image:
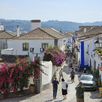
[85, 37]
[5, 35]
[84, 30]
[95, 30]
[40, 34]
[53, 32]
[92, 32]
[69, 34]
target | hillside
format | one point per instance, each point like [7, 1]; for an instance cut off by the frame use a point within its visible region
[64, 26]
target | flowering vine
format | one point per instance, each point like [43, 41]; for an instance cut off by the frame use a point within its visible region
[16, 76]
[55, 55]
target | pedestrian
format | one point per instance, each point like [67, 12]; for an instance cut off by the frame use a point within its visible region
[55, 87]
[84, 70]
[64, 89]
[61, 74]
[80, 93]
[72, 75]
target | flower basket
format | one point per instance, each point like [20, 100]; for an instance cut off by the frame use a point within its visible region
[32, 88]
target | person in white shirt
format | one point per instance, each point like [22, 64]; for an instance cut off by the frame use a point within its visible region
[64, 88]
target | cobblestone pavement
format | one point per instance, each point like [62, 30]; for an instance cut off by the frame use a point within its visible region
[46, 96]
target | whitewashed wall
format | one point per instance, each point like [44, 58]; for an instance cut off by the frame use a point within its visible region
[98, 64]
[98, 60]
[61, 43]
[47, 68]
[88, 42]
[17, 46]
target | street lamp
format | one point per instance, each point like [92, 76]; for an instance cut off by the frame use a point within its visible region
[97, 43]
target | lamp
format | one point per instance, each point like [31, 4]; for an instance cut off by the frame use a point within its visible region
[97, 43]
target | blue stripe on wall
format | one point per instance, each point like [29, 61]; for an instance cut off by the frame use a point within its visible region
[82, 54]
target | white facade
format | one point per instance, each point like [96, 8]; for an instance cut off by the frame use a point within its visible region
[89, 50]
[47, 68]
[98, 64]
[62, 43]
[17, 45]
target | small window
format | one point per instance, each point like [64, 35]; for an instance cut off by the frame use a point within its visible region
[25, 46]
[44, 45]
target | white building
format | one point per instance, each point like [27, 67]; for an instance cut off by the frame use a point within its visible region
[35, 41]
[4, 37]
[87, 46]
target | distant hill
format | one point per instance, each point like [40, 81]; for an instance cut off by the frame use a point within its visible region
[10, 25]
[64, 26]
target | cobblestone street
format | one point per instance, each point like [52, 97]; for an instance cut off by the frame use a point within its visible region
[46, 95]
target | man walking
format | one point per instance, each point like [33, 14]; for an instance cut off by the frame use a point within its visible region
[72, 75]
[55, 87]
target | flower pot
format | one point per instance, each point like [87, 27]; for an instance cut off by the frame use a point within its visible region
[32, 88]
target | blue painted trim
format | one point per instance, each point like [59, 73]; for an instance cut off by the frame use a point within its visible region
[82, 64]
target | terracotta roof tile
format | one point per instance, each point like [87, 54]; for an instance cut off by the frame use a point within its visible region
[5, 35]
[40, 33]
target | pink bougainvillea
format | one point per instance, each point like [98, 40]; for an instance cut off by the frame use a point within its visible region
[16, 76]
[55, 55]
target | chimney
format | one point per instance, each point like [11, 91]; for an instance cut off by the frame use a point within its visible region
[85, 29]
[18, 31]
[2, 27]
[36, 24]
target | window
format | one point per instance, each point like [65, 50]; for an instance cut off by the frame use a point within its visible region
[44, 45]
[56, 42]
[3, 44]
[25, 46]
[87, 49]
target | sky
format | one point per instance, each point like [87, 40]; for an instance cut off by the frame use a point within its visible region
[62, 10]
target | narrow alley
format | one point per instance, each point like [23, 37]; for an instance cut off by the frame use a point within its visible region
[46, 95]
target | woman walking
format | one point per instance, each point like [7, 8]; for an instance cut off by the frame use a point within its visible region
[64, 89]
